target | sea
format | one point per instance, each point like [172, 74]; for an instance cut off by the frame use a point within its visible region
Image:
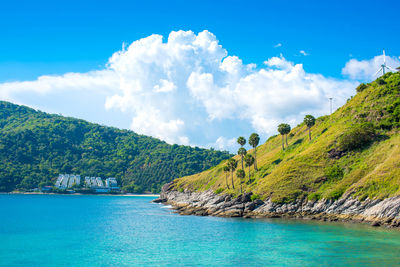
[82, 230]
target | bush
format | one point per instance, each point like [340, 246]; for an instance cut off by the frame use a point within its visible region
[334, 172]
[314, 196]
[361, 87]
[219, 190]
[254, 197]
[357, 136]
[381, 81]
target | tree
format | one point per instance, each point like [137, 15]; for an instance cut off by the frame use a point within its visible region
[226, 171]
[241, 141]
[232, 164]
[249, 159]
[242, 152]
[241, 174]
[309, 120]
[253, 141]
[281, 130]
[287, 131]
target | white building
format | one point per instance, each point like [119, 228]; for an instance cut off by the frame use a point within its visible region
[65, 181]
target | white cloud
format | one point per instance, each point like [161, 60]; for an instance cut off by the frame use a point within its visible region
[367, 69]
[187, 90]
[223, 143]
[278, 45]
[304, 53]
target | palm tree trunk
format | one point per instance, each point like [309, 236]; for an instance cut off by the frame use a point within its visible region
[249, 173]
[241, 191]
[242, 161]
[286, 142]
[226, 180]
[233, 185]
[309, 133]
[255, 159]
[283, 143]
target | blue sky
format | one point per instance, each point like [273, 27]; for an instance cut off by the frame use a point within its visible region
[53, 38]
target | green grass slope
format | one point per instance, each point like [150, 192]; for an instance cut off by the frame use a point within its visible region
[35, 147]
[355, 151]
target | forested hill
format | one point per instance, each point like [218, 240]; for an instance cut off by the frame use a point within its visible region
[36, 146]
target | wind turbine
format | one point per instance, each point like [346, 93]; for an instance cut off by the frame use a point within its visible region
[384, 67]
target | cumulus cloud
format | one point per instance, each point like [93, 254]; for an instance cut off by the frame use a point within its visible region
[367, 69]
[278, 45]
[188, 90]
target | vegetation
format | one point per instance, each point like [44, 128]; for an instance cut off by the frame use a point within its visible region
[241, 175]
[232, 164]
[249, 159]
[354, 152]
[242, 152]
[309, 120]
[35, 147]
[357, 136]
[226, 171]
[284, 129]
[253, 141]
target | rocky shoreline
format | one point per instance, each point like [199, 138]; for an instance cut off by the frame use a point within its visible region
[375, 212]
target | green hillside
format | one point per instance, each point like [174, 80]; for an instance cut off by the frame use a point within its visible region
[35, 147]
[355, 151]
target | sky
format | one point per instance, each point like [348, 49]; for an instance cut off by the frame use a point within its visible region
[198, 73]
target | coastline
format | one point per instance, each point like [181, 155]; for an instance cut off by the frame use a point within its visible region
[79, 194]
[384, 213]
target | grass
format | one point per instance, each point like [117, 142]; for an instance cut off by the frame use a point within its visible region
[368, 171]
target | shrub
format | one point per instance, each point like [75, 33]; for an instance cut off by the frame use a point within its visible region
[334, 172]
[314, 196]
[337, 193]
[361, 87]
[381, 81]
[357, 136]
[219, 190]
[254, 197]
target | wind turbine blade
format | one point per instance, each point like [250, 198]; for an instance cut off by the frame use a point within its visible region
[376, 73]
[390, 68]
[384, 57]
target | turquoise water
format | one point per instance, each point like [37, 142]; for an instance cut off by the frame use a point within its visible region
[58, 230]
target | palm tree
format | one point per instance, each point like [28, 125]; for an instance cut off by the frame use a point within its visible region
[281, 130]
[241, 141]
[240, 174]
[309, 120]
[242, 152]
[253, 141]
[232, 163]
[249, 159]
[226, 171]
[287, 131]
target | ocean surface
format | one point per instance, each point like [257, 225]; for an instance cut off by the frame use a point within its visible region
[57, 230]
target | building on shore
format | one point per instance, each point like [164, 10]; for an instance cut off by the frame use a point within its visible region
[65, 181]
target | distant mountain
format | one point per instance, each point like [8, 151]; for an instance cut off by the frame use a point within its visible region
[36, 146]
[355, 152]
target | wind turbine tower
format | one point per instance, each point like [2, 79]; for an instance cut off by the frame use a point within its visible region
[384, 67]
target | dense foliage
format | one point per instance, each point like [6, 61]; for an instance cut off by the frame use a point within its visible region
[35, 147]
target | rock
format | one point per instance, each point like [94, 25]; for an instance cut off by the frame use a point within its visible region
[375, 223]
[250, 206]
[382, 212]
[159, 200]
[258, 202]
